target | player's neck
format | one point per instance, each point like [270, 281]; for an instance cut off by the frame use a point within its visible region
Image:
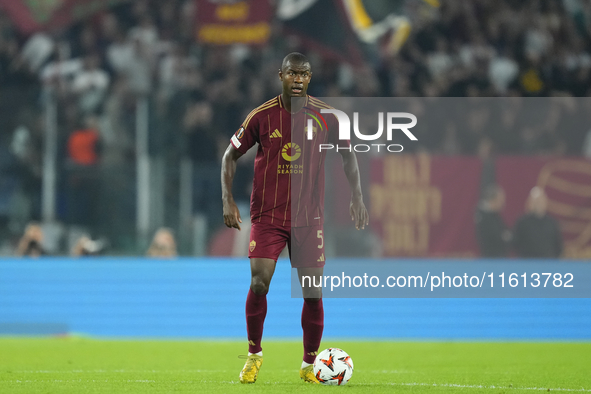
[299, 104]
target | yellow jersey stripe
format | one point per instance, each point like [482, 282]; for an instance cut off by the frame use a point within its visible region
[265, 105]
[319, 103]
[259, 109]
[277, 179]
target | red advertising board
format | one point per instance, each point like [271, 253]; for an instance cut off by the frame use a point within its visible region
[424, 205]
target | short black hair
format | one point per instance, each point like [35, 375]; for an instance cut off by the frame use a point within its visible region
[294, 58]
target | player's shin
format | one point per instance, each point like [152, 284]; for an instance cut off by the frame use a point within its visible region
[312, 325]
[256, 311]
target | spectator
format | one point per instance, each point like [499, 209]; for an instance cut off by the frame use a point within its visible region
[145, 32]
[492, 233]
[36, 51]
[84, 144]
[502, 72]
[177, 70]
[31, 243]
[60, 71]
[120, 53]
[91, 85]
[163, 244]
[85, 246]
[537, 234]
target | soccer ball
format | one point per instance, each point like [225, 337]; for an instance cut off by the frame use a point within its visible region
[333, 367]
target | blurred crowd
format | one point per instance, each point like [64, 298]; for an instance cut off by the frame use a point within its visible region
[497, 48]
[97, 69]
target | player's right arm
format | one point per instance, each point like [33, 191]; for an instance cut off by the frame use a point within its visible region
[231, 213]
[242, 140]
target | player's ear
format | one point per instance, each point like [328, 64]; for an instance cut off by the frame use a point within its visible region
[280, 75]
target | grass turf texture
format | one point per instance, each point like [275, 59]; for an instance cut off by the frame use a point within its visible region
[78, 365]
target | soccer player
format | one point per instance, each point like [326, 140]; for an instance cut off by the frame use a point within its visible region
[286, 165]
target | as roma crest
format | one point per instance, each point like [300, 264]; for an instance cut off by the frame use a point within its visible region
[253, 245]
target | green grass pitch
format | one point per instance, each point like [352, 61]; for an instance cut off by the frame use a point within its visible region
[80, 365]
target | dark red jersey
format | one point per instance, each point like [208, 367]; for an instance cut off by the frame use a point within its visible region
[288, 185]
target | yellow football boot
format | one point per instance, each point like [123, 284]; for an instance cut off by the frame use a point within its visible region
[251, 369]
[307, 374]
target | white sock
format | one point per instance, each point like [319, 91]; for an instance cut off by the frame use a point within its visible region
[258, 354]
[305, 364]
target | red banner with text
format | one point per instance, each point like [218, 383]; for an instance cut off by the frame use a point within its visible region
[424, 205]
[567, 183]
[224, 23]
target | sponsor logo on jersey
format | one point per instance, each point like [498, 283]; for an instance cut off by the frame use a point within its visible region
[321, 258]
[291, 151]
[252, 245]
[290, 169]
[276, 134]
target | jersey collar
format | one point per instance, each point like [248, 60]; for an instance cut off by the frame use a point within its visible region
[283, 106]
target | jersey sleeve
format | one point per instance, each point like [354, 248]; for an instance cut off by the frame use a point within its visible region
[246, 136]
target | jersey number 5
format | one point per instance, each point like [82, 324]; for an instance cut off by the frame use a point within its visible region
[319, 235]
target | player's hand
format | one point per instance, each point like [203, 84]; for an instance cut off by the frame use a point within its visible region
[232, 215]
[359, 213]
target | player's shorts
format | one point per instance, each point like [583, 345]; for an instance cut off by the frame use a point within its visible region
[306, 244]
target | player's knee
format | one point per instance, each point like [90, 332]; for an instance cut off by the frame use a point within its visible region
[259, 286]
[312, 294]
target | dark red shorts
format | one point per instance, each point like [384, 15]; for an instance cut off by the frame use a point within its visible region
[306, 244]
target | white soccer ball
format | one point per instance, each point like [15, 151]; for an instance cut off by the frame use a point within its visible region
[333, 367]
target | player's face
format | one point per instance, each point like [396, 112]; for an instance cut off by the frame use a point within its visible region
[295, 78]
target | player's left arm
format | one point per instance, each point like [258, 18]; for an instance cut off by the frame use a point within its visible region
[357, 208]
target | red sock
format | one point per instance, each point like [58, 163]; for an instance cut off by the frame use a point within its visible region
[312, 324]
[256, 310]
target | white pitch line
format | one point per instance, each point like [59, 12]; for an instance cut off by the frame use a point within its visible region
[460, 386]
[128, 371]
[79, 381]
[171, 371]
[468, 386]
